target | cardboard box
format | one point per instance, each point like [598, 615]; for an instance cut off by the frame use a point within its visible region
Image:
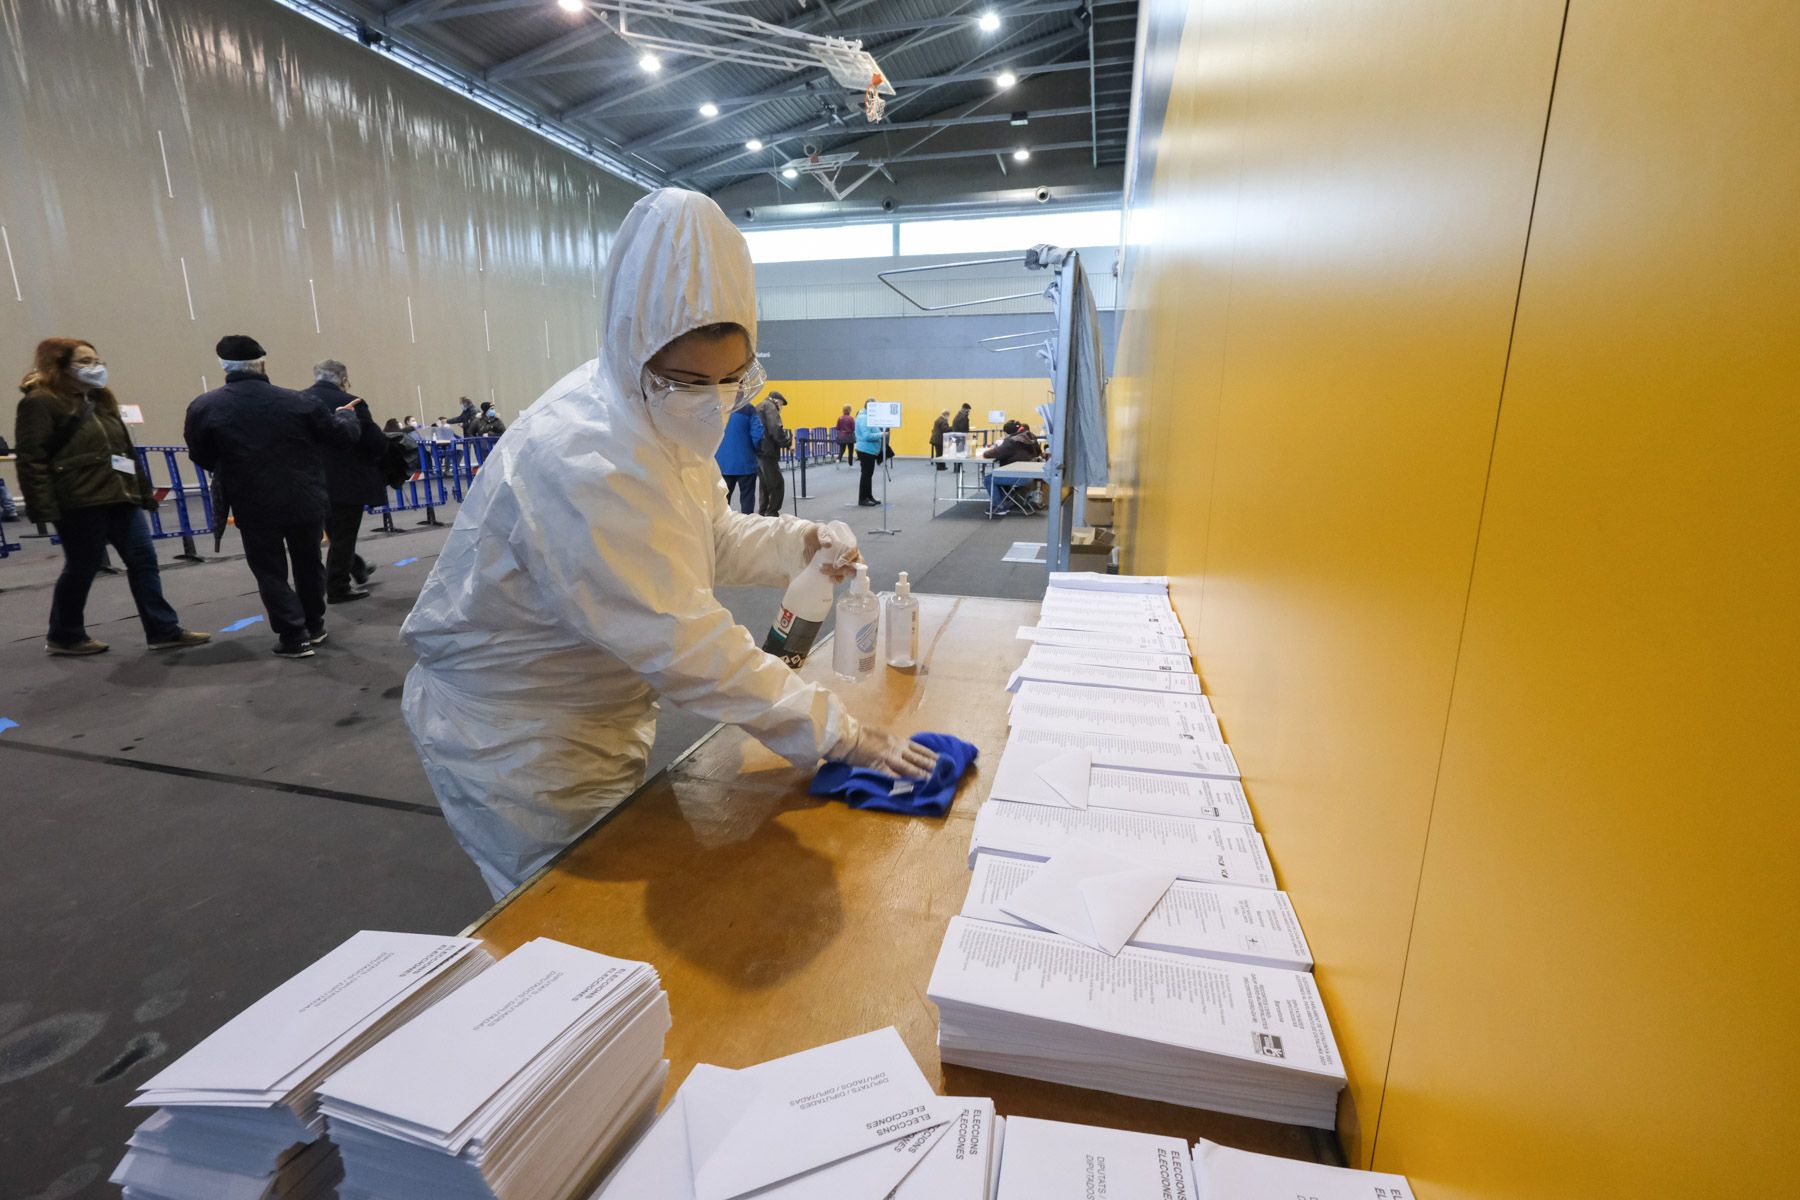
[1099, 506]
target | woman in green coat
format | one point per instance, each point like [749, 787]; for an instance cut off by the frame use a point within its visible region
[80, 473]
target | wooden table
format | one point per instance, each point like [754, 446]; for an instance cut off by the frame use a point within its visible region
[780, 922]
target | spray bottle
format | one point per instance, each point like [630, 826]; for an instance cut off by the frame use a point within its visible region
[858, 629]
[902, 626]
[804, 607]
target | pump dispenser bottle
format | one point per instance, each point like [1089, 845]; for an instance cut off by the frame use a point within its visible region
[902, 626]
[858, 635]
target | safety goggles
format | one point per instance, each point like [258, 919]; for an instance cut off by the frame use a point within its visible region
[749, 385]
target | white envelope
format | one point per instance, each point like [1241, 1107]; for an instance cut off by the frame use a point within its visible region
[1090, 896]
[1060, 781]
[769, 1123]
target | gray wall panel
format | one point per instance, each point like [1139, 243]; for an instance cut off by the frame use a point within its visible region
[905, 348]
[448, 251]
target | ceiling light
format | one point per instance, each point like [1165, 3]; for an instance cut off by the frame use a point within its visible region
[1005, 79]
[1021, 155]
[989, 22]
[649, 64]
[709, 109]
[789, 173]
[570, 5]
[753, 145]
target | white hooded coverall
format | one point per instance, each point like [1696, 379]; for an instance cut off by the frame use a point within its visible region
[577, 583]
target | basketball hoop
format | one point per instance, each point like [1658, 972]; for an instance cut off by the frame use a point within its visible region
[873, 104]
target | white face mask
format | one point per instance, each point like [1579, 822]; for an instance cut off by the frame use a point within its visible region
[692, 415]
[94, 376]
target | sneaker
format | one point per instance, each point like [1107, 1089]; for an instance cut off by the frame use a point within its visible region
[79, 649]
[315, 637]
[181, 639]
[347, 595]
[293, 650]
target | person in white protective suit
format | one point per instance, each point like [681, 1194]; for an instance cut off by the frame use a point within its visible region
[576, 586]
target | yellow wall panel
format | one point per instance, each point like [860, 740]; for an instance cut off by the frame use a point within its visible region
[1600, 996]
[819, 402]
[1315, 341]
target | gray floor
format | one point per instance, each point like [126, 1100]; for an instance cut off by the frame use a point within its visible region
[179, 832]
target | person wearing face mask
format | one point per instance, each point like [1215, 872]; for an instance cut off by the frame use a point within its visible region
[80, 472]
[576, 586]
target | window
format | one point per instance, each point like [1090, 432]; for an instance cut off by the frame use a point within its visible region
[1000, 235]
[806, 245]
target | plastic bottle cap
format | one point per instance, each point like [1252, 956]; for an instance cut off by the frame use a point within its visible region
[904, 587]
[861, 583]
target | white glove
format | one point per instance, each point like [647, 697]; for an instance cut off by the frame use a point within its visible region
[840, 538]
[879, 750]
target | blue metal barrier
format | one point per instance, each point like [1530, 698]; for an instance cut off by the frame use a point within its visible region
[191, 499]
[6, 547]
[446, 471]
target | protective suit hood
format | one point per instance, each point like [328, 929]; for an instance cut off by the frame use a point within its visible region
[677, 264]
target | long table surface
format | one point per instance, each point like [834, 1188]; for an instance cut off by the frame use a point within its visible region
[780, 922]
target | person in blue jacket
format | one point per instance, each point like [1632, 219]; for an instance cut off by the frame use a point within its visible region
[736, 455]
[869, 447]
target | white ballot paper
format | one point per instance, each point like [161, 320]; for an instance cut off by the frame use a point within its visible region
[1116, 676]
[257, 1054]
[821, 1108]
[1212, 920]
[1025, 778]
[1173, 755]
[1222, 1173]
[1206, 851]
[1093, 581]
[1090, 896]
[1138, 643]
[1138, 721]
[848, 1121]
[1242, 1039]
[1111, 699]
[962, 1164]
[1065, 617]
[1054, 1160]
[1179, 663]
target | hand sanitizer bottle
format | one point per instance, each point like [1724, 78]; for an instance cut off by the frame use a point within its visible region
[858, 629]
[902, 626]
[804, 607]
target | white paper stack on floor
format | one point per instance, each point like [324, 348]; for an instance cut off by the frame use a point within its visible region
[522, 1085]
[1200, 1032]
[1204, 851]
[239, 1113]
[1238, 924]
[1222, 1173]
[1054, 1160]
[1069, 779]
[852, 1120]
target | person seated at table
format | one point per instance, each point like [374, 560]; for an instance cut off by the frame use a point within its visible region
[1015, 447]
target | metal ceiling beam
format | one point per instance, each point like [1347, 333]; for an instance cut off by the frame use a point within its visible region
[927, 156]
[417, 10]
[609, 100]
[731, 108]
[420, 11]
[521, 65]
[1052, 41]
[995, 118]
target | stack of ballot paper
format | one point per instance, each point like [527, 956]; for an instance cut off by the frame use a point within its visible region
[1054, 1160]
[238, 1115]
[1069, 779]
[523, 1084]
[1204, 851]
[1221, 1173]
[1087, 581]
[1206, 1033]
[853, 1120]
[1127, 640]
[1173, 755]
[1238, 924]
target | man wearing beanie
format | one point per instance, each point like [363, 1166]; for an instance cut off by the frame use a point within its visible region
[262, 444]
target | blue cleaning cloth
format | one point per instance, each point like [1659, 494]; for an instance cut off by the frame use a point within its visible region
[862, 787]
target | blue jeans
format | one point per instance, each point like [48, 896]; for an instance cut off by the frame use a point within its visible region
[85, 534]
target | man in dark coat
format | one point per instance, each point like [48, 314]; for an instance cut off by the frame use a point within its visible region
[465, 419]
[264, 445]
[776, 438]
[939, 428]
[960, 422]
[353, 479]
